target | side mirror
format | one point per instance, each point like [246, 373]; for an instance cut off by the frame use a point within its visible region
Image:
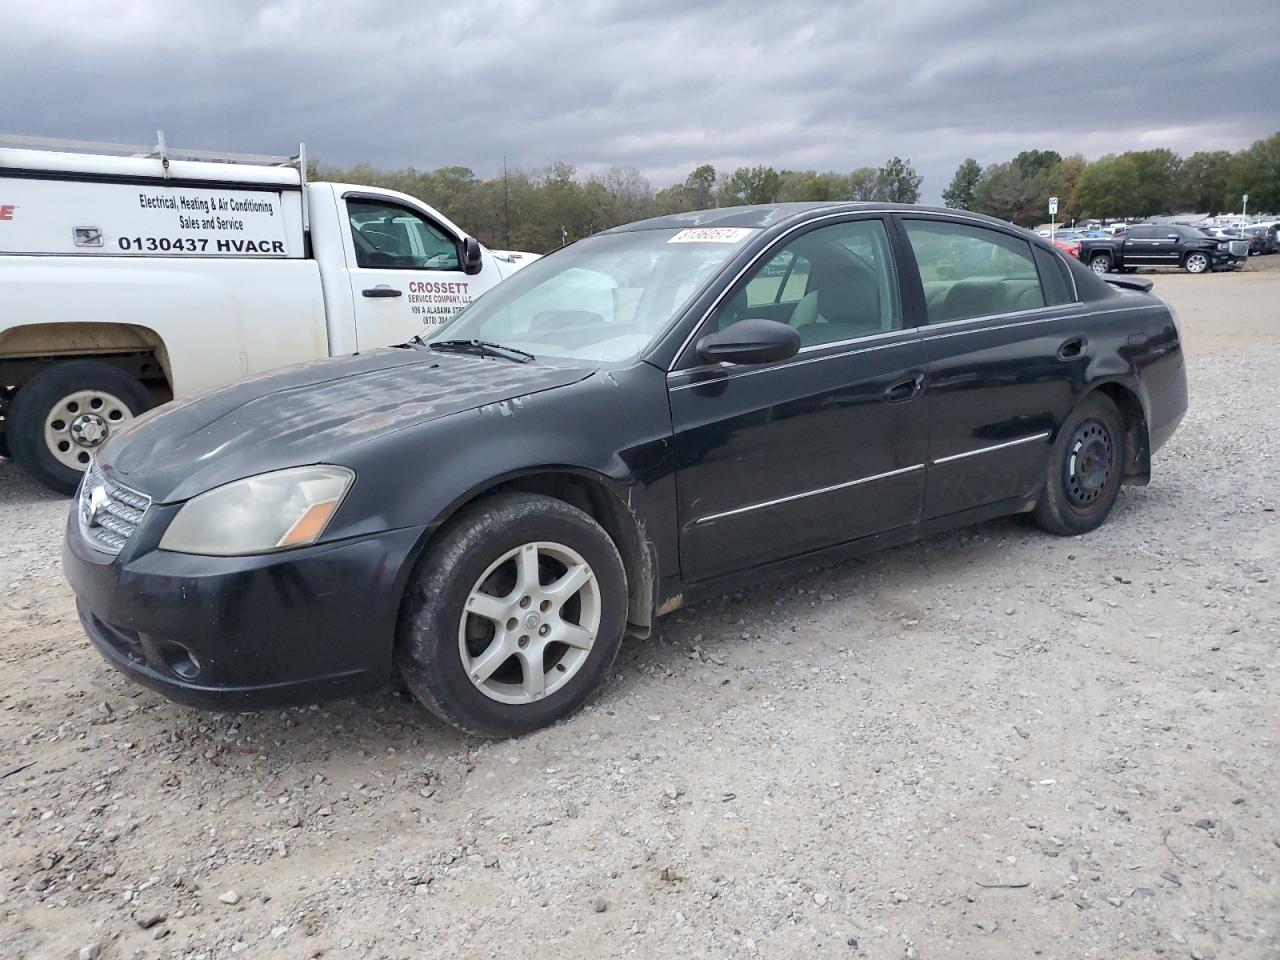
[750, 341]
[472, 255]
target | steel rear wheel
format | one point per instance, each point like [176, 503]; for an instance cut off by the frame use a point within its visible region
[1196, 263]
[513, 615]
[1085, 469]
[65, 413]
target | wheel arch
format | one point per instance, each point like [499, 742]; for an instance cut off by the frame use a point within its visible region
[1137, 438]
[28, 348]
[598, 497]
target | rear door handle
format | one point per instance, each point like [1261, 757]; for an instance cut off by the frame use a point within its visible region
[1072, 348]
[905, 390]
[382, 291]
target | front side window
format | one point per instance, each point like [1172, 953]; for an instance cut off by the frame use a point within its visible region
[604, 298]
[832, 284]
[388, 236]
[969, 271]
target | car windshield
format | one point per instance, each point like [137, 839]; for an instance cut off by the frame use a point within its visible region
[604, 298]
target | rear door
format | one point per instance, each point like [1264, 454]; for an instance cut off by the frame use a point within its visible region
[405, 269]
[1151, 246]
[1001, 349]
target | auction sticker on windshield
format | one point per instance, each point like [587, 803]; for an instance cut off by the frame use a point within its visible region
[123, 219]
[712, 235]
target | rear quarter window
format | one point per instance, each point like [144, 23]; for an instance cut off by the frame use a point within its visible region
[1053, 278]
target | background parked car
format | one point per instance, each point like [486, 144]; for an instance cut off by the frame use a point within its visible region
[1162, 245]
[1265, 235]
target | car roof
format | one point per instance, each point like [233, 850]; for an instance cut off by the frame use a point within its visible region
[763, 215]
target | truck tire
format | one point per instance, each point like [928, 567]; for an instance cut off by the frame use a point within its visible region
[1100, 263]
[1196, 262]
[64, 413]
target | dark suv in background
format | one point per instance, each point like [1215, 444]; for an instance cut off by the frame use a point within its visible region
[1162, 245]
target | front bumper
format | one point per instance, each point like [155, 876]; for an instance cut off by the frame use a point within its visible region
[244, 633]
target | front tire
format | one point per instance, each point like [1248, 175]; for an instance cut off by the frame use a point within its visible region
[1196, 262]
[64, 413]
[513, 616]
[1100, 263]
[1085, 469]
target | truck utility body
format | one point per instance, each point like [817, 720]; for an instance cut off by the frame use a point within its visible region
[130, 275]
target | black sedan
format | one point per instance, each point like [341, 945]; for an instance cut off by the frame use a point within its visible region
[653, 415]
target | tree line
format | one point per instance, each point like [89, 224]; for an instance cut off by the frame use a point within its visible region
[1138, 183]
[542, 209]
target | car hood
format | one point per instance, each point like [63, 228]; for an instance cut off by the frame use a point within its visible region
[310, 413]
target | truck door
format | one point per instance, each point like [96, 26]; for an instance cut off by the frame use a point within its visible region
[405, 269]
[1150, 245]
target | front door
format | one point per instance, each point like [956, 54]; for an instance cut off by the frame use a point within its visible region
[778, 460]
[406, 271]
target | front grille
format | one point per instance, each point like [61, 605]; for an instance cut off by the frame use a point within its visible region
[1239, 248]
[109, 511]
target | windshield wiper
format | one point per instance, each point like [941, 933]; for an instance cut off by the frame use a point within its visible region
[486, 348]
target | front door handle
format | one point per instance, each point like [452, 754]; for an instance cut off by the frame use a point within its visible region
[905, 390]
[1072, 348]
[381, 291]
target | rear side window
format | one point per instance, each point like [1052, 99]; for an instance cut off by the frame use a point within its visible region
[970, 271]
[1053, 278]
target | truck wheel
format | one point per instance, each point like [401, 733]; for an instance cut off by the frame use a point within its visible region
[1100, 263]
[1196, 263]
[513, 616]
[64, 413]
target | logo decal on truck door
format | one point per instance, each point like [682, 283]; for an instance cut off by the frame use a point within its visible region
[87, 236]
[6, 211]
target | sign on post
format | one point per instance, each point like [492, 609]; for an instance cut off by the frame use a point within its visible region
[1053, 206]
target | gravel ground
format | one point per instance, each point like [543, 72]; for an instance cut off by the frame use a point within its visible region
[992, 743]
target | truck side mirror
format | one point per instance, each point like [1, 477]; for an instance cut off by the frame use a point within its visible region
[472, 255]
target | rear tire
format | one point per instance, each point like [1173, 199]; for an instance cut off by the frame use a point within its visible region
[64, 413]
[1100, 263]
[1085, 468]
[514, 615]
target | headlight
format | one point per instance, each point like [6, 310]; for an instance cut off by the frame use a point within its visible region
[272, 511]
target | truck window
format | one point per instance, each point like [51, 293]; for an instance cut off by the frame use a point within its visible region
[387, 235]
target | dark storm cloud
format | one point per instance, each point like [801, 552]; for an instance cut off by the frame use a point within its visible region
[661, 85]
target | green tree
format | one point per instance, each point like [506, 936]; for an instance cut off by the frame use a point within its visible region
[1202, 181]
[751, 185]
[898, 182]
[1256, 171]
[862, 184]
[960, 193]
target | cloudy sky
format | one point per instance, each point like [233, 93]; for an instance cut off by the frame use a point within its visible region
[662, 85]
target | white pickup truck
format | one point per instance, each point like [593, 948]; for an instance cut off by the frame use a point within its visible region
[131, 275]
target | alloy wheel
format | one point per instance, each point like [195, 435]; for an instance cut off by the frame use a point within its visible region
[529, 622]
[1197, 263]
